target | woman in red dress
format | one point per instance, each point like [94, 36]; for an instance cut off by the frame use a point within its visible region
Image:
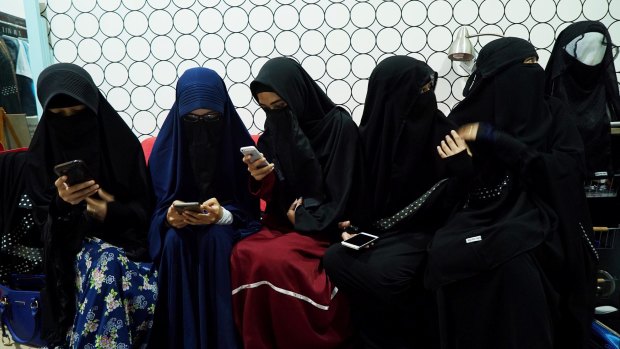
[282, 297]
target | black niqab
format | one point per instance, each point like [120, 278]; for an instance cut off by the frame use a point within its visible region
[202, 142]
[97, 135]
[522, 113]
[400, 129]
[312, 143]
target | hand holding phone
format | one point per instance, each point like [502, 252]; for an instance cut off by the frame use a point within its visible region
[77, 193]
[359, 241]
[75, 171]
[254, 155]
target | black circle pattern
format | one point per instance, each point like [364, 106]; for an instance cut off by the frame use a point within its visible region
[136, 50]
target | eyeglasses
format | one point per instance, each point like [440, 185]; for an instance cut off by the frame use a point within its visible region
[211, 116]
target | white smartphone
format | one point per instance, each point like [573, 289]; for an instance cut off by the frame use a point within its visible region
[359, 240]
[254, 154]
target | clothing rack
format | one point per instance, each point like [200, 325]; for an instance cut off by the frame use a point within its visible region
[13, 26]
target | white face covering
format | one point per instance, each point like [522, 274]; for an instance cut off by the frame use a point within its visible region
[588, 48]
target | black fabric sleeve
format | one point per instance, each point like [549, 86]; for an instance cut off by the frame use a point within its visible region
[460, 169]
[63, 225]
[130, 214]
[319, 215]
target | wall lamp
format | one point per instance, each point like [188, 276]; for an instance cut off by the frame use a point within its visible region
[461, 48]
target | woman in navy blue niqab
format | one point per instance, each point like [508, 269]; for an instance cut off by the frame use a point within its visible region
[196, 158]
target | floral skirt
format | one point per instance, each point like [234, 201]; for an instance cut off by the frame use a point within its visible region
[115, 299]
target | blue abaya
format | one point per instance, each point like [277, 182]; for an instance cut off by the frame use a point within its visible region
[194, 307]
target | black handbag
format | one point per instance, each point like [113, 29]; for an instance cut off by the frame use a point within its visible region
[20, 309]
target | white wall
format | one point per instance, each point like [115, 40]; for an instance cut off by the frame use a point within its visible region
[136, 49]
[13, 7]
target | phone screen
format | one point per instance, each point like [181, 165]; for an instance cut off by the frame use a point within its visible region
[360, 239]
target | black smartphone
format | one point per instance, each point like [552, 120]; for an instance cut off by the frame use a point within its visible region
[181, 206]
[75, 170]
[359, 240]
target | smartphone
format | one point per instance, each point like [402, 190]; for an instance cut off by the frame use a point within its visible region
[254, 155]
[360, 240]
[181, 206]
[75, 170]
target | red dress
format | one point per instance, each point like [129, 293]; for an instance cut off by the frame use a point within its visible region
[282, 297]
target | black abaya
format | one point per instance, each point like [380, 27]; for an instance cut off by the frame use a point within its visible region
[400, 128]
[524, 222]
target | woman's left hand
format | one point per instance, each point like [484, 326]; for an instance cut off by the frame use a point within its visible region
[452, 145]
[291, 210]
[98, 208]
[213, 213]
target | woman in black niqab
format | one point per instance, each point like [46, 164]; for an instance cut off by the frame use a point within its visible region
[78, 123]
[514, 266]
[408, 194]
[582, 74]
[315, 156]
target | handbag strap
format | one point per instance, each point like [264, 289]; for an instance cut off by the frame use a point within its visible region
[34, 310]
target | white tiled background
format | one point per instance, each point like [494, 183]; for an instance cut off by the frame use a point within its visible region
[136, 49]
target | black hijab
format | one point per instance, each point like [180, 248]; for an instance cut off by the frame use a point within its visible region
[100, 137]
[522, 113]
[313, 144]
[590, 90]
[400, 130]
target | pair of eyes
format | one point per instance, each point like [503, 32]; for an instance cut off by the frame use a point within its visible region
[275, 107]
[211, 116]
[67, 111]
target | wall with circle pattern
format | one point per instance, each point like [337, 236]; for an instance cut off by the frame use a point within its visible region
[136, 49]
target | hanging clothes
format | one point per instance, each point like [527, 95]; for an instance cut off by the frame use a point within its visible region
[21, 61]
[9, 92]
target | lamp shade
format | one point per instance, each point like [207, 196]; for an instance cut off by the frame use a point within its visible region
[461, 48]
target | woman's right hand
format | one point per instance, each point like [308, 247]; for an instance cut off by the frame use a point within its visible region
[258, 173]
[343, 226]
[76, 193]
[175, 219]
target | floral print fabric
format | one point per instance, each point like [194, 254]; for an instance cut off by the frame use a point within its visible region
[115, 299]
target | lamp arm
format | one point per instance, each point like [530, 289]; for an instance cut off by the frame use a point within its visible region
[485, 34]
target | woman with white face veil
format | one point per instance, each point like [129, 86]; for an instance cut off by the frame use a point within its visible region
[581, 73]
